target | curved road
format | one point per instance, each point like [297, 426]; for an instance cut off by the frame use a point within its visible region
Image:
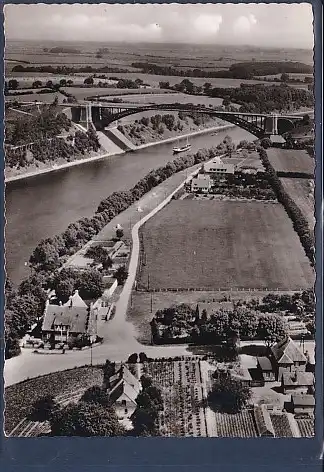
[120, 340]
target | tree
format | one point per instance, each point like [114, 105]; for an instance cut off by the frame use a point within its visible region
[266, 143]
[36, 84]
[88, 81]
[144, 422]
[142, 357]
[85, 419]
[109, 369]
[121, 275]
[43, 408]
[229, 395]
[133, 358]
[271, 328]
[284, 77]
[119, 233]
[146, 381]
[13, 84]
[96, 394]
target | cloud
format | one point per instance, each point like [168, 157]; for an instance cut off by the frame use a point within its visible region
[207, 25]
[244, 24]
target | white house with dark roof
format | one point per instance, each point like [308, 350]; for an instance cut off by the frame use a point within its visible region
[123, 390]
[217, 168]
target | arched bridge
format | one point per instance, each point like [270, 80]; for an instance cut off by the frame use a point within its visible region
[261, 125]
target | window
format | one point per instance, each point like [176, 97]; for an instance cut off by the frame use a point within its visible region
[124, 402]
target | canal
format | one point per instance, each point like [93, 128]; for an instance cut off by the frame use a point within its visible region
[42, 206]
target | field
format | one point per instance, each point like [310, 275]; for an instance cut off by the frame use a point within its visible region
[240, 425]
[222, 245]
[20, 397]
[306, 427]
[300, 191]
[183, 392]
[38, 97]
[291, 160]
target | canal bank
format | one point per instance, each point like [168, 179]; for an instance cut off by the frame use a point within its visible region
[55, 168]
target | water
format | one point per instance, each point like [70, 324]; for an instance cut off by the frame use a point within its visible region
[45, 205]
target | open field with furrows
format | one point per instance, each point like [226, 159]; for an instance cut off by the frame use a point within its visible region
[145, 304]
[182, 392]
[301, 191]
[222, 245]
[239, 425]
[306, 427]
[20, 397]
[291, 160]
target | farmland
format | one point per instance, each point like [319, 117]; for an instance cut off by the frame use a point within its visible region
[222, 245]
[300, 190]
[20, 397]
[291, 160]
[182, 392]
[240, 425]
[306, 427]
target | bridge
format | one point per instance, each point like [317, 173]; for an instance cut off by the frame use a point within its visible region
[101, 115]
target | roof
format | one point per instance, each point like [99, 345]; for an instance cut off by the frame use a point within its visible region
[76, 318]
[264, 363]
[303, 400]
[75, 301]
[286, 351]
[263, 420]
[298, 379]
[201, 182]
[126, 383]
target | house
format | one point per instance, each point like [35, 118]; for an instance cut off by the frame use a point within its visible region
[263, 421]
[266, 369]
[74, 318]
[303, 403]
[123, 390]
[297, 382]
[286, 356]
[217, 168]
[201, 183]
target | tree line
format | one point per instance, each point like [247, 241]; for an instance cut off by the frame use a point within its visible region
[243, 70]
[218, 327]
[300, 223]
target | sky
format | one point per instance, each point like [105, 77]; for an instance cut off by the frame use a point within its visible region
[277, 25]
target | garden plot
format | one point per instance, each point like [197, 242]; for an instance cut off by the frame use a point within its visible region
[183, 393]
[239, 425]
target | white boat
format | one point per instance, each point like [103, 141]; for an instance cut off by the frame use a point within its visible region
[184, 148]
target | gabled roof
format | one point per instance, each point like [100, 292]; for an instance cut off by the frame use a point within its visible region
[75, 301]
[298, 379]
[263, 421]
[74, 317]
[286, 351]
[126, 384]
[264, 363]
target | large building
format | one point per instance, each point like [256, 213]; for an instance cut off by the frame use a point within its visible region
[217, 168]
[64, 322]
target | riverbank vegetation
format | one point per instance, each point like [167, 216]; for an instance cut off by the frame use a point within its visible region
[159, 126]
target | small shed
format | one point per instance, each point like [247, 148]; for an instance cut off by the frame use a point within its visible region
[303, 403]
[266, 369]
[292, 382]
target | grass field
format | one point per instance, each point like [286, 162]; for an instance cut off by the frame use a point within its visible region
[300, 191]
[39, 97]
[223, 245]
[20, 397]
[291, 160]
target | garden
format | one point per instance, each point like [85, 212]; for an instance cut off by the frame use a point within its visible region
[182, 392]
